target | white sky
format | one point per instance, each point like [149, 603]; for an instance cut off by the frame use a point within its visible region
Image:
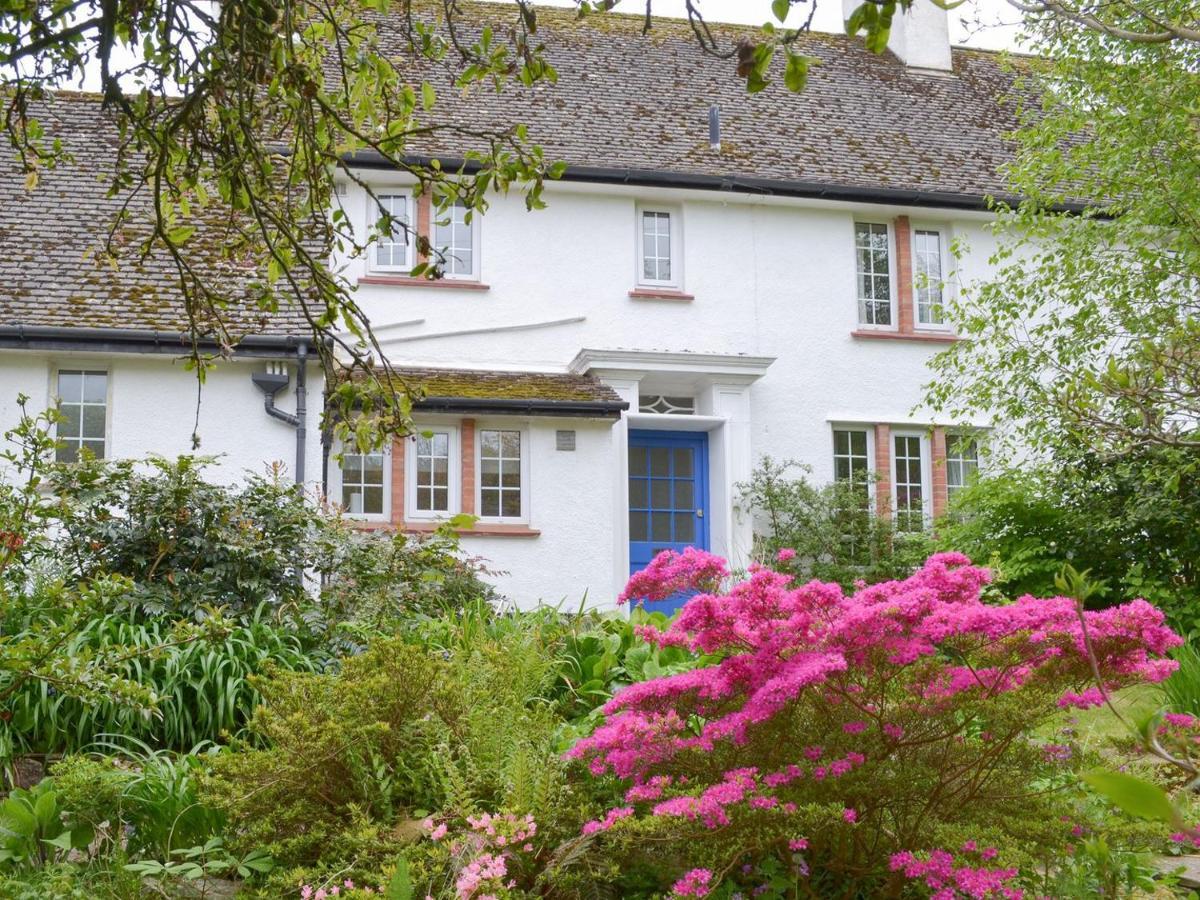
[976, 23]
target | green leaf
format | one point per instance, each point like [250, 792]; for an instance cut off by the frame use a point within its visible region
[780, 9]
[795, 75]
[1133, 795]
[179, 235]
[400, 887]
[62, 842]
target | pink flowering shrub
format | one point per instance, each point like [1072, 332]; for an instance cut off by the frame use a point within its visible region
[840, 736]
[485, 857]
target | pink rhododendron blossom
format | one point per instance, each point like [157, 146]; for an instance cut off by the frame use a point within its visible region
[670, 573]
[871, 670]
[694, 884]
[613, 816]
[786, 554]
[798, 844]
[1089, 698]
[937, 869]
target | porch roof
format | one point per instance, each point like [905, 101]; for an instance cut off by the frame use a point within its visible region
[512, 393]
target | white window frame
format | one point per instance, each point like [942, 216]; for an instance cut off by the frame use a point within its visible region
[944, 238]
[336, 484]
[675, 282]
[860, 301]
[373, 214]
[480, 428]
[870, 450]
[454, 497]
[474, 225]
[926, 473]
[87, 368]
[973, 436]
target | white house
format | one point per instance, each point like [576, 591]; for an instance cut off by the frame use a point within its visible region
[718, 277]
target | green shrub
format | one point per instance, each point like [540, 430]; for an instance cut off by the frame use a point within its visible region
[32, 830]
[148, 798]
[186, 543]
[363, 739]
[835, 534]
[202, 686]
[1182, 689]
[378, 581]
[1132, 520]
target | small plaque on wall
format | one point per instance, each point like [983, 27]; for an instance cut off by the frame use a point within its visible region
[565, 440]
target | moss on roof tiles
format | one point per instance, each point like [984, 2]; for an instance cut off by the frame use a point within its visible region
[467, 384]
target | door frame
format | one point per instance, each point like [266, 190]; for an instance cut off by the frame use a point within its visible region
[697, 439]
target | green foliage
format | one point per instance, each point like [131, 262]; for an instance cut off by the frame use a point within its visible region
[377, 581]
[201, 688]
[832, 529]
[1133, 520]
[1095, 869]
[159, 806]
[1134, 795]
[208, 860]
[602, 655]
[1182, 689]
[186, 544]
[361, 739]
[1082, 338]
[32, 831]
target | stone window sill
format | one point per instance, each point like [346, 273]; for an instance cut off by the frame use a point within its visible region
[482, 529]
[488, 529]
[929, 337]
[451, 284]
[661, 294]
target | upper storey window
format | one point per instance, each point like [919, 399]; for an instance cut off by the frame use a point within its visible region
[393, 252]
[658, 243]
[873, 251]
[928, 275]
[456, 238]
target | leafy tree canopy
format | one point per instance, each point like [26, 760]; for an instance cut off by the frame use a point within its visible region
[1088, 334]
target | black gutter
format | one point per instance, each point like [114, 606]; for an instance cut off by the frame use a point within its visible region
[739, 184]
[137, 340]
[573, 408]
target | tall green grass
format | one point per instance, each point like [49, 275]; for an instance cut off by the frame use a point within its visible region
[1182, 689]
[204, 687]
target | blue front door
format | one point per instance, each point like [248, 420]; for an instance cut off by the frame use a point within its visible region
[668, 493]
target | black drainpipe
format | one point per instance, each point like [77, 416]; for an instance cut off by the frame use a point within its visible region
[301, 408]
[271, 383]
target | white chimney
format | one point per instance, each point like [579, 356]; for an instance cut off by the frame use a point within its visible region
[920, 36]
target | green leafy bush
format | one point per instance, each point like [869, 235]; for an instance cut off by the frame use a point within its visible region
[185, 543]
[201, 687]
[1131, 520]
[832, 529]
[32, 830]
[379, 581]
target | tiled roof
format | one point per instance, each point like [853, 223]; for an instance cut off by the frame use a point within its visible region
[625, 100]
[50, 237]
[461, 389]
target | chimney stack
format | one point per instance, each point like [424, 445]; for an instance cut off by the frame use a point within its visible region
[920, 36]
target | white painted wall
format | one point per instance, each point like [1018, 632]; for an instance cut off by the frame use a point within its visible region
[570, 503]
[771, 277]
[152, 409]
